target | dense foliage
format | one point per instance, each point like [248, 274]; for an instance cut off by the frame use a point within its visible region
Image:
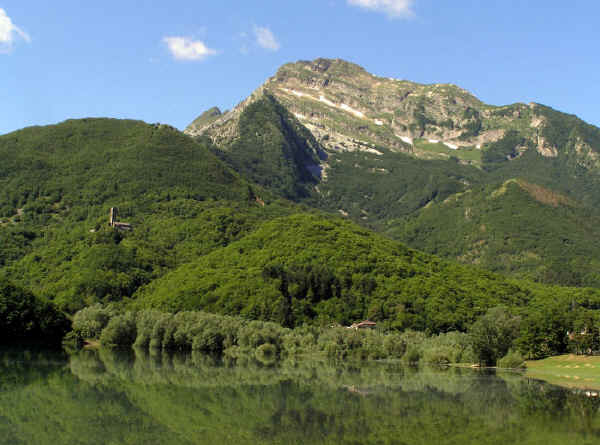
[274, 150]
[515, 228]
[45, 171]
[267, 342]
[493, 334]
[343, 273]
[24, 317]
[338, 272]
[57, 184]
[498, 337]
[205, 239]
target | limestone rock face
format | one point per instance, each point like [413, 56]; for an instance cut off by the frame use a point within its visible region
[348, 109]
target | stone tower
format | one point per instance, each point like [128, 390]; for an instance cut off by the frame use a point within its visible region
[113, 216]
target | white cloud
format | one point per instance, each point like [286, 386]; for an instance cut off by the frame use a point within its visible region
[393, 8]
[184, 48]
[8, 31]
[266, 39]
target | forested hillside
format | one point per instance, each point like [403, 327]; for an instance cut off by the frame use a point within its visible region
[304, 268]
[58, 183]
[205, 237]
[420, 162]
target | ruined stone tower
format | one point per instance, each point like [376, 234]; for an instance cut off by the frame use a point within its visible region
[112, 219]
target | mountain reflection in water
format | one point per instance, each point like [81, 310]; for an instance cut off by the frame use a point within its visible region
[106, 397]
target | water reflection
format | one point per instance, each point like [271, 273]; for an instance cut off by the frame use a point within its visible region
[105, 397]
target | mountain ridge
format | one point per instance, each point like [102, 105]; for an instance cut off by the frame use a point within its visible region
[389, 149]
[347, 108]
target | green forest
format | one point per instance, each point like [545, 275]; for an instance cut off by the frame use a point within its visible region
[519, 213]
[209, 238]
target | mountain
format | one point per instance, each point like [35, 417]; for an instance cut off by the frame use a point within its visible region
[348, 109]
[203, 237]
[389, 153]
[206, 118]
[273, 149]
[516, 228]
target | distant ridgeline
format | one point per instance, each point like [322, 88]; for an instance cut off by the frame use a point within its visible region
[238, 219]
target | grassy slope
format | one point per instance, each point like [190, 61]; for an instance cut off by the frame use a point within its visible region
[572, 371]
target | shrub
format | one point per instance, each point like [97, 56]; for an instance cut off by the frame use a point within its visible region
[158, 331]
[394, 346]
[412, 355]
[467, 356]
[208, 335]
[146, 320]
[120, 331]
[438, 355]
[512, 360]
[492, 335]
[183, 330]
[341, 342]
[266, 354]
[256, 333]
[90, 321]
[451, 347]
[301, 340]
[372, 345]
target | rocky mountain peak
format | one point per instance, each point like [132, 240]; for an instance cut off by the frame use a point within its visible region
[204, 120]
[348, 109]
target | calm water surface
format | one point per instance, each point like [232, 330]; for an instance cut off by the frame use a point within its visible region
[101, 397]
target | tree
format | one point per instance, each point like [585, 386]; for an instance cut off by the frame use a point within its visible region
[23, 317]
[492, 335]
[545, 332]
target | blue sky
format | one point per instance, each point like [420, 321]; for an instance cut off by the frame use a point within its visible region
[169, 61]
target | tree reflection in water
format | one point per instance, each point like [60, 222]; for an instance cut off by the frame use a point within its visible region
[107, 397]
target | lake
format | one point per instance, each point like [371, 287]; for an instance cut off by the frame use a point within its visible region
[104, 397]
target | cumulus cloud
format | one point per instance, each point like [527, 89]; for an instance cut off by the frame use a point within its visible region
[184, 48]
[392, 8]
[9, 31]
[266, 39]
